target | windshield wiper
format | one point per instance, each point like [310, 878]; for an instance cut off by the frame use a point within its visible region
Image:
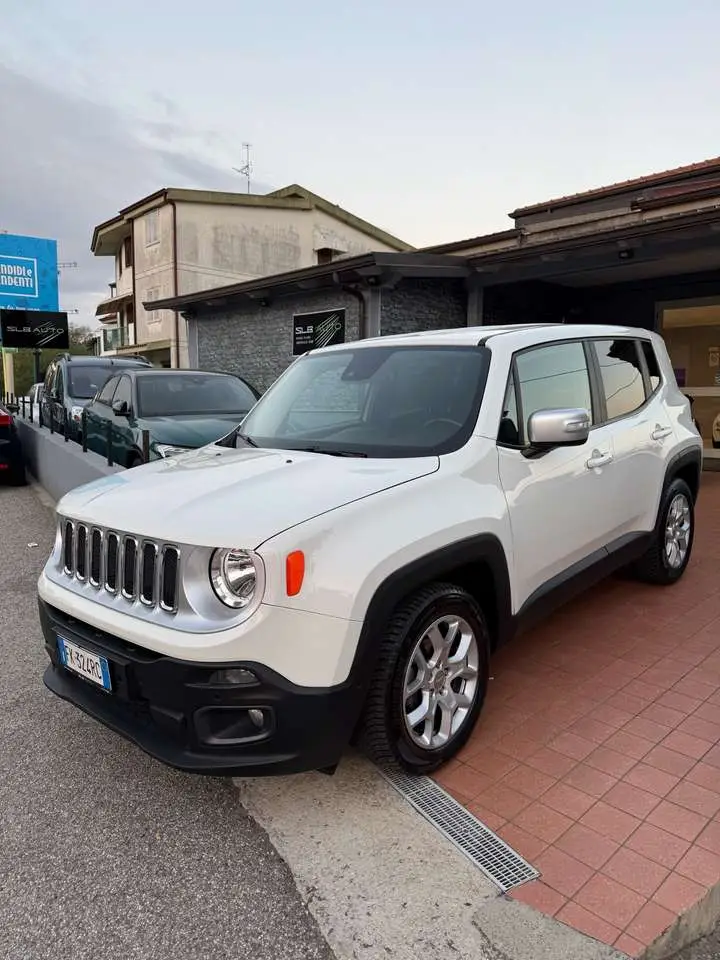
[229, 440]
[330, 453]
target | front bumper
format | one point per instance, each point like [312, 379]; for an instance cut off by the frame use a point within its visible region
[169, 708]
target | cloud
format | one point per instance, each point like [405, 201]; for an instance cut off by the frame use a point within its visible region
[69, 163]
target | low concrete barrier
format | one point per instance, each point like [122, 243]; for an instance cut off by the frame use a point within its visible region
[56, 465]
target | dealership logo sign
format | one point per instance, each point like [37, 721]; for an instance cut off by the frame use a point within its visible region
[314, 330]
[34, 329]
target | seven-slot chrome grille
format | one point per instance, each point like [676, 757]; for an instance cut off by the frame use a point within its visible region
[132, 568]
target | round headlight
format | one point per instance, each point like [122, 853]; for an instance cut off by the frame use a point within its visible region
[233, 575]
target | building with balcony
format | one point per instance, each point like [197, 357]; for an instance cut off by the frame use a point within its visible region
[178, 242]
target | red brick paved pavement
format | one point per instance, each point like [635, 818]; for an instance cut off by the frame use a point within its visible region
[597, 756]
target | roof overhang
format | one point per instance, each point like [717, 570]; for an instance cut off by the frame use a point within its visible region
[676, 175]
[368, 270]
[109, 308]
[108, 237]
[674, 244]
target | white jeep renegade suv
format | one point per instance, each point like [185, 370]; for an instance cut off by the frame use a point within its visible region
[344, 563]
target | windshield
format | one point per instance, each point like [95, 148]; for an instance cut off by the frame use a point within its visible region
[192, 394]
[84, 382]
[381, 401]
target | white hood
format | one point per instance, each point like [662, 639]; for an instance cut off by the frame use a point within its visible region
[217, 496]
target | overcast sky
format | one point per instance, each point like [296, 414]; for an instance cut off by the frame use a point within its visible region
[431, 120]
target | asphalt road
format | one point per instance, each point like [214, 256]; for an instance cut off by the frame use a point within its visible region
[707, 949]
[105, 853]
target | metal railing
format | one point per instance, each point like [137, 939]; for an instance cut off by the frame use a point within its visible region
[20, 406]
[117, 337]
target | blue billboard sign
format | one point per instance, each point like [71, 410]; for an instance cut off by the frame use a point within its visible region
[28, 273]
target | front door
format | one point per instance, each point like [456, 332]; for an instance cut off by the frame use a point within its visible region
[122, 434]
[561, 505]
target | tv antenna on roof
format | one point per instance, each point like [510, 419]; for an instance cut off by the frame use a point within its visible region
[246, 169]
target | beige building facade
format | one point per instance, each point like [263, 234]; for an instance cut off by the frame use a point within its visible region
[178, 242]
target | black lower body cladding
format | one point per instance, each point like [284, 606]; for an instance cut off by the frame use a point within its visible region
[182, 715]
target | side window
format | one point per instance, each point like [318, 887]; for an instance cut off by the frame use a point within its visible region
[621, 373]
[124, 392]
[59, 379]
[50, 378]
[509, 429]
[653, 367]
[553, 378]
[105, 395]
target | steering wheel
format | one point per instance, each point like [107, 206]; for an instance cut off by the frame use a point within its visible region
[453, 423]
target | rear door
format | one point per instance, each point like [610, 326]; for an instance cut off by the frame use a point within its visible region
[560, 504]
[634, 406]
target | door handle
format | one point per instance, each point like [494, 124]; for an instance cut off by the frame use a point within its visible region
[659, 433]
[598, 460]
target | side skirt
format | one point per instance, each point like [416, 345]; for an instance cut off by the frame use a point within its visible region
[580, 577]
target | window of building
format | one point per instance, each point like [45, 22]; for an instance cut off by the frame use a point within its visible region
[325, 255]
[653, 367]
[127, 252]
[152, 294]
[621, 374]
[552, 378]
[152, 227]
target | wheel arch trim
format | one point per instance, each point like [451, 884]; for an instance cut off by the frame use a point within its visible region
[439, 565]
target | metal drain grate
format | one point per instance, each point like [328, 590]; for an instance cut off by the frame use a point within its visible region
[499, 862]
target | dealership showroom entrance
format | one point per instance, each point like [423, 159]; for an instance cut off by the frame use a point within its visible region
[691, 330]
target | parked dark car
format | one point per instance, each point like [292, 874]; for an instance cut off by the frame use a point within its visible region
[12, 463]
[180, 409]
[70, 384]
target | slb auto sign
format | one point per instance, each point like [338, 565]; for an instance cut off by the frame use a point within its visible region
[34, 329]
[313, 330]
[28, 273]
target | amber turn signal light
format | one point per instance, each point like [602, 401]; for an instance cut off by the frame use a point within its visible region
[294, 572]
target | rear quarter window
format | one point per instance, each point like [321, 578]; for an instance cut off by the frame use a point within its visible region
[622, 376]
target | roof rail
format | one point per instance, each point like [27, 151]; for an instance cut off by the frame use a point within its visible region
[132, 356]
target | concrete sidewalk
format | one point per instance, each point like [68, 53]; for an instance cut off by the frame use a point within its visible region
[382, 882]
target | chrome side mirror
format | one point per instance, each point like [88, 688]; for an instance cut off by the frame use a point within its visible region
[558, 428]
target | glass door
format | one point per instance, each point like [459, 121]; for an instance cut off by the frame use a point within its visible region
[691, 330]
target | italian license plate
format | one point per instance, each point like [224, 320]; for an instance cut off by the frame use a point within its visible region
[84, 664]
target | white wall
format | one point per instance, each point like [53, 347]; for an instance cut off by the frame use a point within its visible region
[154, 277]
[228, 244]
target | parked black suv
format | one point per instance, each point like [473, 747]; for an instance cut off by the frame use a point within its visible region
[70, 384]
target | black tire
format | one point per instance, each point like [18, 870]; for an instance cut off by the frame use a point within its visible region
[17, 477]
[383, 733]
[654, 567]
[135, 460]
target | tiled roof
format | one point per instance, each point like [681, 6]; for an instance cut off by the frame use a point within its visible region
[653, 179]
